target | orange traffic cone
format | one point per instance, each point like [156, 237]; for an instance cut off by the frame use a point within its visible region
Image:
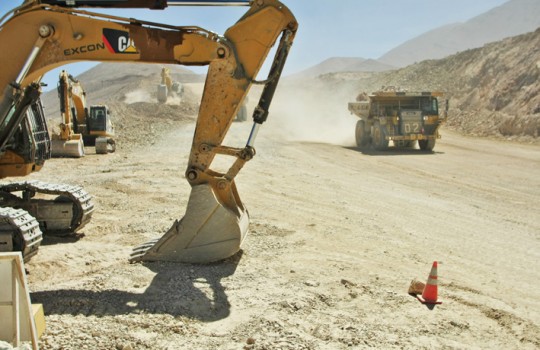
[429, 295]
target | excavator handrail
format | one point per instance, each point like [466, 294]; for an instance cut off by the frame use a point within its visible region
[151, 4]
[89, 14]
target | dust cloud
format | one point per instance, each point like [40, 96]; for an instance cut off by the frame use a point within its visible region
[313, 116]
[139, 95]
[142, 95]
[174, 99]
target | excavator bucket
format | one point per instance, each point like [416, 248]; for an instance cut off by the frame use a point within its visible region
[209, 231]
[67, 148]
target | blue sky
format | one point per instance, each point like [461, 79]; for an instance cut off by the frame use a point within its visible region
[328, 28]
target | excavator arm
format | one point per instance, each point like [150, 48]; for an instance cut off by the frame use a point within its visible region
[41, 36]
[69, 143]
[66, 125]
[73, 90]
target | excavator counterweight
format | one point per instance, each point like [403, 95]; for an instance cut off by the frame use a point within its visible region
[44, 34]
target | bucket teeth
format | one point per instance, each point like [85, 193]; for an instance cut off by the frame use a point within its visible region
[140, 250]
[208, 232]
[137, 254]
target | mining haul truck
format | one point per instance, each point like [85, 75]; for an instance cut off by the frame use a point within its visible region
[398, 116]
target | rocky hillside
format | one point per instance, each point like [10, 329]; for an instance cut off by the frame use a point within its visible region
[342, 64]
[512, 18]
[108, 82]
[493, 90]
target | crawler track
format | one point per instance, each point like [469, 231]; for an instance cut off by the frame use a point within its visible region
[83, 206]
[27, 236]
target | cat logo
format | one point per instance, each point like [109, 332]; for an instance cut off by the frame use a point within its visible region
[118, 41]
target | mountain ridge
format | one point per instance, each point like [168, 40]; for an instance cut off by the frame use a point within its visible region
[509, 19]
[512, 18]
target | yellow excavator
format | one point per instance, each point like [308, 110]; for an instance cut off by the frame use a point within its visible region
[43, 34]
[168, 87]
[81, 126]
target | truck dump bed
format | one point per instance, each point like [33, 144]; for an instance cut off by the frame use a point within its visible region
[361, 109]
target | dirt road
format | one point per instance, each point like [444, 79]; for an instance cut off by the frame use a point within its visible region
[336, 237]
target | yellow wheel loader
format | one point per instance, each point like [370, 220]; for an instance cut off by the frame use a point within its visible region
[81, 126]
[43, 34]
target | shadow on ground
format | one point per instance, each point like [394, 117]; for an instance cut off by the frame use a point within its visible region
[189, 290]
[392, 151]
[61, 238]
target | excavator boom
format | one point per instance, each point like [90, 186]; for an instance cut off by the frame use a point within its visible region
[68, 143]
[46, 36]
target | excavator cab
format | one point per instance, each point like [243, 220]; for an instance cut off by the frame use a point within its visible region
[99, 120]
[99, 129]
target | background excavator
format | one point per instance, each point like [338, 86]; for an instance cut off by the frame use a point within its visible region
[81, 125]
[43, 34]
[168, 87]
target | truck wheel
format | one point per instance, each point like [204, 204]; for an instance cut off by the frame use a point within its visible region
[362, 137]
[378, 138]
[426, 145]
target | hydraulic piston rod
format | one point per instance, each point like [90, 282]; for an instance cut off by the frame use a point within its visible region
[261, 111]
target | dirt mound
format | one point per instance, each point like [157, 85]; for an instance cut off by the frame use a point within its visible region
[130, 92]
